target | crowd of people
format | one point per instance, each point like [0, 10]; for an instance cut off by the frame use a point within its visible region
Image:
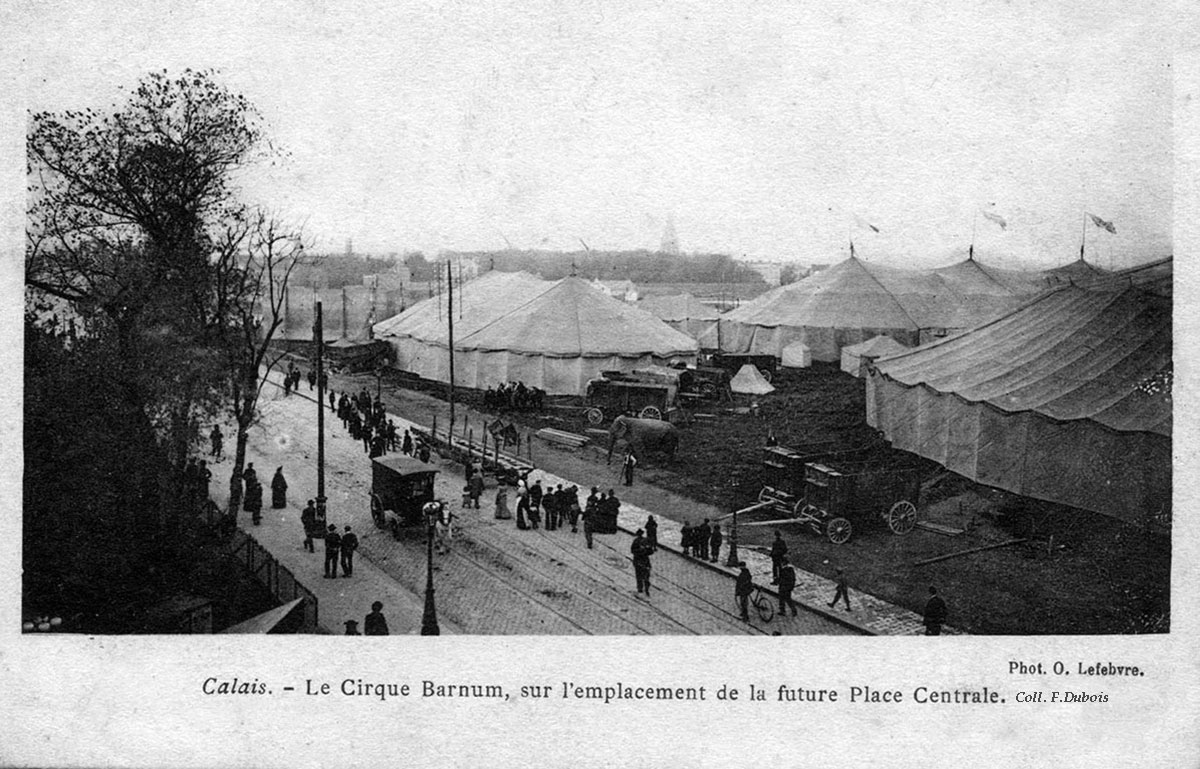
[366, 420]
[514, 396]
[291, 380]
[701, 541]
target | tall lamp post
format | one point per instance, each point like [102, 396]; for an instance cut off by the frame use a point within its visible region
[732, 559]
[429, 623]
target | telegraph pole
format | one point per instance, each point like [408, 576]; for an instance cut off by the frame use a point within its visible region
[450, 317]
[319, 341]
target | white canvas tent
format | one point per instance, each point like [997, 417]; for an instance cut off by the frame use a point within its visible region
[556, 335]
[796, 355]
[857, 357]
[1065, 399]
[749, 381]
[686, 313]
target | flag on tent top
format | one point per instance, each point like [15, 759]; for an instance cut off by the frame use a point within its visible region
[1096, 220]
[995, 218]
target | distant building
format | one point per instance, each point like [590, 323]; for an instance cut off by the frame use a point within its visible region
[618, 289]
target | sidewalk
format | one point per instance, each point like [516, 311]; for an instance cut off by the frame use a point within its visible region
[868, 614]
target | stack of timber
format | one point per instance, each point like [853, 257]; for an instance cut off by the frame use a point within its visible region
[493, 460]
[562, 438]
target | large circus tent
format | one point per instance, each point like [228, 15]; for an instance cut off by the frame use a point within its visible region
[515, 327]
[856, 300]
[1065, 399]
[686, 313]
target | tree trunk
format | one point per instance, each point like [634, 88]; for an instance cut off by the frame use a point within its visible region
[235, 478]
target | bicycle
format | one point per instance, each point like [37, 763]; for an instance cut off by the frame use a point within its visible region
[760, 602]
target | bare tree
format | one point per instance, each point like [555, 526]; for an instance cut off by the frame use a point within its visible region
[256, 256]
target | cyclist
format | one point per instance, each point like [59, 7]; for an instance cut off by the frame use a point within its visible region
[742, 590]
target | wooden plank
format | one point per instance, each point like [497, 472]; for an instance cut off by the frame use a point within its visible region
[969, 552]
[938, 528]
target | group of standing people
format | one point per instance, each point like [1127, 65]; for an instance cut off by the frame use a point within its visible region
[366, 420]
[291, 380]
[196, 477]
[703, 541]
[515, 396]
[373, 624]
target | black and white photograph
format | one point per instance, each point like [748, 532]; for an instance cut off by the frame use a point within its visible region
[838, 337]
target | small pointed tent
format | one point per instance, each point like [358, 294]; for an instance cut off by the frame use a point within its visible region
[796, 355]
[857, 357]
[749, 381]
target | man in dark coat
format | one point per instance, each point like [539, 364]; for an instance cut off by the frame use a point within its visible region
[253, 504]
[535, 503]
[685, 538]
[349, 545]
[627, 467]
[333, 544]
[787, 583]
[641, 562]
[703, 532]
[312, 379]
[375, 623]
[406, 447]
[935, 613]
[742, 590]
[714, 543]
[308, 519]
[475, 488]
[332, 401]
[278, 490]
[218, 441]
[779, 549]
[652, 533]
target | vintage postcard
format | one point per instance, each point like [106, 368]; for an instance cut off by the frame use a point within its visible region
[665, 384]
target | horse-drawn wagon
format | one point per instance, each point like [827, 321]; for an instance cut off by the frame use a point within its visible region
[619, 393]
[400, 488]
[833, 491]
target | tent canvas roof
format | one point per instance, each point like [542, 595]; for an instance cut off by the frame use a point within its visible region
[749, 381]
[477, 303]
[570, 318]
[879, 346]
[1069, 354]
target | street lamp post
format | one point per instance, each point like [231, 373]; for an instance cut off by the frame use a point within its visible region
[733, 560]
[319, 344]
[429, 623]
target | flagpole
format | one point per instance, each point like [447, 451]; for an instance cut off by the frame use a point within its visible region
[1083, 237]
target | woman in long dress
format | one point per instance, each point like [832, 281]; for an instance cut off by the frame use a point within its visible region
[278, 490]
[502, 511]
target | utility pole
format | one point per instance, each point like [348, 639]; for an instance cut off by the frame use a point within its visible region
[450, 318]
[319, 340]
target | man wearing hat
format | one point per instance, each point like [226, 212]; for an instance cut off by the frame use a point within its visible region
[375, 623]
[787, 583]
[641, 562]
[333, 544]
[742, 590]
[349, 545]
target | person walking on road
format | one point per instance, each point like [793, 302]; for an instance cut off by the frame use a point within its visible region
[535, 503]
[652, 533]
[787, 583]
[641, 562]
[843, 590]
[522, 506]
[278, 490]
[627, 467]
[935, 612]
[742, 590]
[714, 543]
[686, 538]
[349, 545]
[475, 488]
[406, 446]
[375, 623]
[779, 549]
[218, 442]
[589, 520]
[703, 534]
[308, 518]
[333, 543]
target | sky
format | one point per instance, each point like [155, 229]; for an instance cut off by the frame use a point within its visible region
[764, 130]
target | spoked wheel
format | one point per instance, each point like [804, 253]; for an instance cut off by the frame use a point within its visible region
[594, 416]
[765, 495]
[902, 517]
[377, 510]
[650, 412]
[708, 390]
[839, 531]
[766, 611]
[803, 510]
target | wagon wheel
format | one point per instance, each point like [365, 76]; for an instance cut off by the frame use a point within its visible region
[803, 510]
[812, 515]
[708, 390]
[902, 517]
[767, 375]
[594, 416]
[650, 412]
[377, 510]
[765, 495]
[839, 530]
